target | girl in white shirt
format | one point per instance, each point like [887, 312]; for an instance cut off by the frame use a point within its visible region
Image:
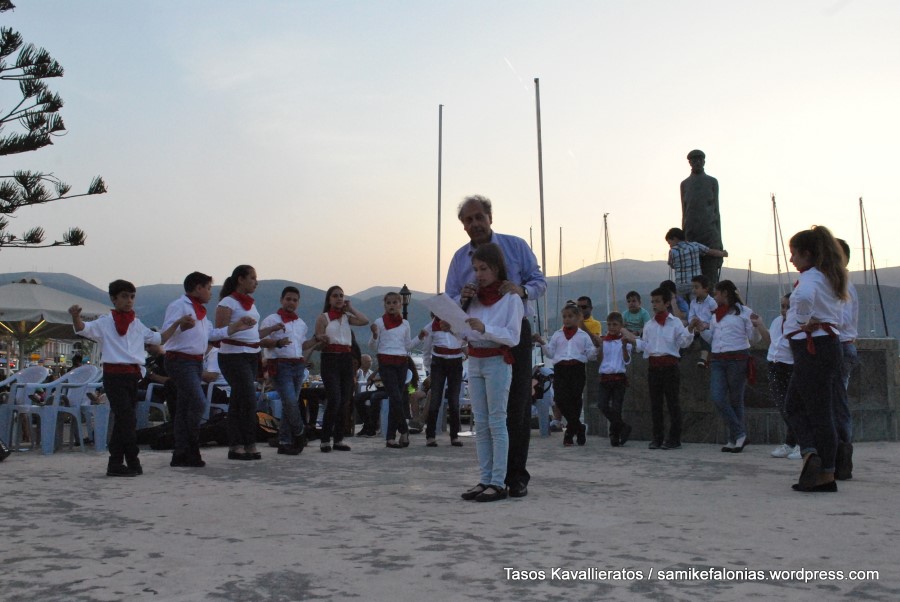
[732, 329]
[811, 331]
[391, 340]
[239, 360]
[333, 331]
[495, 323]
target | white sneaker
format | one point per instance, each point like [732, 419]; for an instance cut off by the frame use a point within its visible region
[795, 453]
[782, 451]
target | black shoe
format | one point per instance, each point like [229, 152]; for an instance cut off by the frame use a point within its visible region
[671, 445]
[300, 441]
[404, 440]
[363, 432]
[255, 455]
[624, 433]
[812, 466]
[474, 492]
[119, 470]
[4, 451]
[614, 441]
[568, 440]
[740, 444]
[431, 443]
[518, 490]
[843, 462]
[654, 445]
[340, 446]
[236, 455]
[325, 448]
[830, 487]
[135, 466]
[392, 444]
[581, 436]
[491, 494]
[178, 460]
[288, 450]
[456, 443]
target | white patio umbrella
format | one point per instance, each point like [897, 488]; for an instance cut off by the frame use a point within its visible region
[30, 309]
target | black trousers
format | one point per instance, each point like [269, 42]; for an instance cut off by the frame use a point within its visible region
[612, 397]
[444, 371]
[664, 384]
[518, 410]
[568, 384]
[121, 391]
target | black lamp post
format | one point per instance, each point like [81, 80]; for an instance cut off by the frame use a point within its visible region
[405, 295]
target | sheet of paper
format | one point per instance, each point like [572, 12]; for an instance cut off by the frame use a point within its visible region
[449, 311]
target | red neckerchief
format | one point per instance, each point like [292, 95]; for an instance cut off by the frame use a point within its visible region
[335, 314]
[490, 294]
[123, 320]
[436, 324]
[569, 331]
[287, 316]
[721, 310]
[246, 301]
[199, 308]
[391, 321]
[661, 317]
[612, 337]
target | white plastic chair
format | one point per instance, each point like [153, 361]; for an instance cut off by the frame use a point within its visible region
[16, 383]
[142, 408]
[209, 406]
[76, 382]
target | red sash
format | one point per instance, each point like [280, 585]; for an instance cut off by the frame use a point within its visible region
[391, 360]
[121, 369]
[492, 352]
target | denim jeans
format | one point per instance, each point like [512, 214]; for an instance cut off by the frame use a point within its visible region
[843, 421]
[337, 377]
[288, 381]
[779, 379]
[187, 375]
[809, 403]
[444, 371]
[121, 391]
[489, 381]
[240, 370]
[394, 379]
[727, 381]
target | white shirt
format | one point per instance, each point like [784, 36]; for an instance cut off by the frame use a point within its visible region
[439, 338]
[502, 322]
[777, 351]
[733, 332]
[813, 297]
[664, 340]
[193, 341]
[703, 310]
[118, 349]
[394, 341]
[338, 331]
[850, 316]
[579, 348]
[295, 330]
[251, 335]
[613, 362]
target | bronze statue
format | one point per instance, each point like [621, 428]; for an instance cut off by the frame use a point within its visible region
[700, 218]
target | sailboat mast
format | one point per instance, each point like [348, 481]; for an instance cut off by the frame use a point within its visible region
[777, 249]
[559, 275]
[537, 99]
[440, 163]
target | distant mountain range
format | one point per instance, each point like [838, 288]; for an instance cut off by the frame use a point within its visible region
[629, 274]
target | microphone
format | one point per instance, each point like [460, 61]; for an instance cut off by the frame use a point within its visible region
[468, 301]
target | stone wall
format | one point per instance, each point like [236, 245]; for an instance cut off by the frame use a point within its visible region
[874, 393]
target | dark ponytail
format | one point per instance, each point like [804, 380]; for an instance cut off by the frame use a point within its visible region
[731, 293]
[230, 284]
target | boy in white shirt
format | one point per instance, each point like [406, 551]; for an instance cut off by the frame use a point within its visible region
[615, 355]
[703, 306]
[570, 348]
[663, 338]
[122, 338]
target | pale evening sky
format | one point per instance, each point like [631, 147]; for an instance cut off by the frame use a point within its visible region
[301, 137]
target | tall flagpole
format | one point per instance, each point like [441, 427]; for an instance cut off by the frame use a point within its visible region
[537, 99]
[440, 160]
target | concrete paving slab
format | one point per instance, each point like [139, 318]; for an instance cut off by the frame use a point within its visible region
[381, 524]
